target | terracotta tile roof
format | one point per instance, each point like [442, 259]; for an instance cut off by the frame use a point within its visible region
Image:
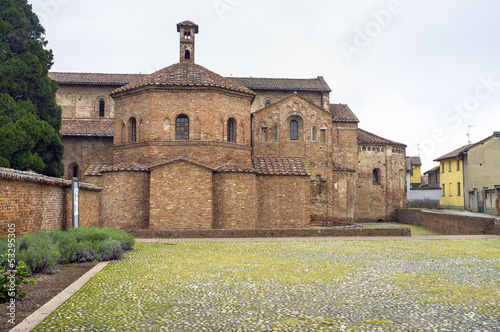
[342, 113]
[233, 167]
[103, 128]
[94, 79]
[280, 166]
[11, 174]
[185, 74]
[414, 161]
[95, 169]
[286, 84]
[188, 24]
[455, 153]
[365, 137]
[129, 166]
[161, 162]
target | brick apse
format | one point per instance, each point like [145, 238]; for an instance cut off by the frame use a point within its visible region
[185, 148]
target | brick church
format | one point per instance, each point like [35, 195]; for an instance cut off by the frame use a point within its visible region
[185, 148]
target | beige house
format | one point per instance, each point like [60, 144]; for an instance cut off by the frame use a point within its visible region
[482, 175]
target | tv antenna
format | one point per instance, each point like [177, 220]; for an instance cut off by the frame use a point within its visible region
[469, 134]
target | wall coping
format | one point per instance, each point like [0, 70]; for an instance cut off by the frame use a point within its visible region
[15, 175]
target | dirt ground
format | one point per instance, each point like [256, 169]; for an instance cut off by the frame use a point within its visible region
[45, 289]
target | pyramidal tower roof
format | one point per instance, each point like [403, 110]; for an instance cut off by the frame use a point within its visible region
[185, 73]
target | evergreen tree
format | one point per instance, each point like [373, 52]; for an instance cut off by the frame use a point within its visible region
[30, 118]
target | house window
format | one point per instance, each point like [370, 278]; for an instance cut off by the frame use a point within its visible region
[314, 133]
[231, 130]
[264, 134]
[275, 133]
[458, 166]
[182, 127]
[444, 189]
[449, 190]
[450, 166]
[133, 130]
[73, 170]
[322, 136]
[375, 176]
[102, 105]
[294, 130]
[187, 55]
[442, 168]
[458, 189]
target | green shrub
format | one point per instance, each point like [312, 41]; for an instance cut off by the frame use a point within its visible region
[110, 250]
[11, 287]
[39, 252]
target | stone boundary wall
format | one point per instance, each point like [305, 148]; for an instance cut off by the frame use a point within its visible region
[249, 233]
[424, 198]
[449, 224]
[36, 202]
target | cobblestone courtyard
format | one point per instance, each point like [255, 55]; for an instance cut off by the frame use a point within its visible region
[404, 285]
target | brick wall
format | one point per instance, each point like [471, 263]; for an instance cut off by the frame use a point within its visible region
[283, 201]
[83, 151]
[235, 205]
[33, 202]
[447, 223]
[125, 202]
[83, 103]
[181, 196]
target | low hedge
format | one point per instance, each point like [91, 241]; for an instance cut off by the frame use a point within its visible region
[42, 251]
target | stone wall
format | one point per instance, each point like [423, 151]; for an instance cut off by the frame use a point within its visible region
[449, 223]
[181, 196]
[125, 199]
[83, 151]
[79, 102]
[235, 203]
[34, 202]
[283, 201]
[428, 198]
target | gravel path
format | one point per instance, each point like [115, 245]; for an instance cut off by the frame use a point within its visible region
[404, 285]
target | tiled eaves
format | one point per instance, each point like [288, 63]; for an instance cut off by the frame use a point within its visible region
[281, 166]
[15, 175]
[365, 137]
[87, 127]
[95, 169]
[128, 166]
[234, 168]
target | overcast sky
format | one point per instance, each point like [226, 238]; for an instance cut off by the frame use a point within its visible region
[413, 71]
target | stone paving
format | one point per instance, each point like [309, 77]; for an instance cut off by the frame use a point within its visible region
[284, 285]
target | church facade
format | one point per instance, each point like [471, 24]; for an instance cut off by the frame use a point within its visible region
[185, 148]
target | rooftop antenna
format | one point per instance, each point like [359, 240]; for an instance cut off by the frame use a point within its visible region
[418, 149]
[469, 134]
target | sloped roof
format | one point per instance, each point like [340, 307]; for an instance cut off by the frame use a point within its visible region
[433, 170]
[280, 166]
[283, 84]
[94, 79]
[415, 161]
[128, 166]
[102, 128]
[95, 169]
[365, 137]
[455, 153]
[188, 24]
[185, 74]
[234, 168]
[342, 113]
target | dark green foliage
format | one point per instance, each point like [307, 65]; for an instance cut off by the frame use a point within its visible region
[12, 287]
[30, 118]
[44, 250]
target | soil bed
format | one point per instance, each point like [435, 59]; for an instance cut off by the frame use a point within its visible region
[46, 288]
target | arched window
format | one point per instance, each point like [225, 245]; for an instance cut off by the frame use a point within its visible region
[182, 127]
[102, 105]
[231, 130]
[314, 133]
[294, 130]
[375, 176]
[133, 130]
[187, 55]
[73, 170]
[275, 132]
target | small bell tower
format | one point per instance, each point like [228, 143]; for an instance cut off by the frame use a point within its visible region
[187, 30]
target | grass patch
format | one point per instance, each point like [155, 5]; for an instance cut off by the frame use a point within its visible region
[415, 230]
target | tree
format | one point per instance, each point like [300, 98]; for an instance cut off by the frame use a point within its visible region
[30, 118]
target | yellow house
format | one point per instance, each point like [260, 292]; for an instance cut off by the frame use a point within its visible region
[452, 179]
[416, 172]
